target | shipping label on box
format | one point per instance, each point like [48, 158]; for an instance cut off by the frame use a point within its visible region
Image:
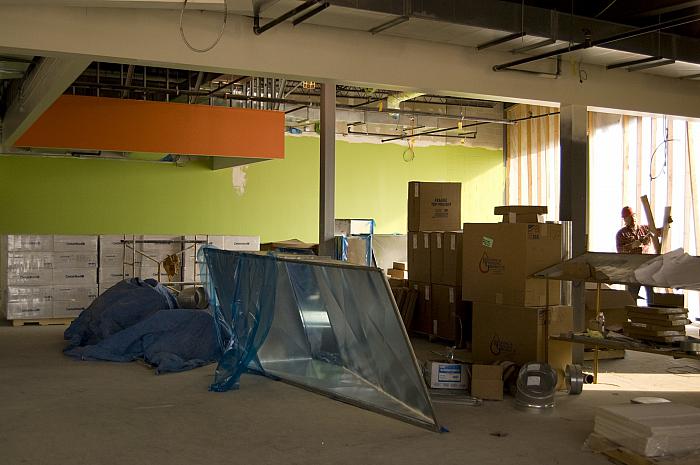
[87, 244]
[29, 260]
[40, 277]
[27, 243]
[75, 276]
[445, 375]
[434, 206]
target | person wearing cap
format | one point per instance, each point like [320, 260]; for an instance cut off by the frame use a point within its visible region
[634, 238]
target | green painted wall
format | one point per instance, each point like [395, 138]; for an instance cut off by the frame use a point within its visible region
[72, 196]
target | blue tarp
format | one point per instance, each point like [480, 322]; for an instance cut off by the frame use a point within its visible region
[138, 319]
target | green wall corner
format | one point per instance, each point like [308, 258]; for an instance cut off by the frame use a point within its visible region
[274, 199]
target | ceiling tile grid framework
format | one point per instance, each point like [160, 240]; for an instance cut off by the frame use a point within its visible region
[421, 53]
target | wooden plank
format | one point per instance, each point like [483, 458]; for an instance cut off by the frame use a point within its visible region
[538, 152]
[43, 322]
[640, 125]
[652, 223]
[520, 164]
[692, 172]
[604, 354]
[625, 156]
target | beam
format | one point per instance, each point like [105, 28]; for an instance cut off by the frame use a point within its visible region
[326, 213]
[117, 36]
[624, 64]
[573, 197]
[500, 40]
[46, 82]
[655, 64]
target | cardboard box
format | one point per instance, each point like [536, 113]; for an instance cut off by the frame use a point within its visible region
[395, 282]
[434, 206]
[517, 334]
[75, 276]
[70, 309]
[242, 243]
[29, 309]
[27, 243]
[451, 315]
[422, 319]
[521, 213]
[419, 256]
[437, 258]
[28, 260]
[74, 260]
[399, 265]
[612, 304]
[74, 293]
[349, 227]
[498, 258]
[112, 276]
[39, 277]
[86, 244]
[452, 258]
[398, 274]
[487, 382]
[359, 250]
[27, 293]
[112, 243]
[447, 375]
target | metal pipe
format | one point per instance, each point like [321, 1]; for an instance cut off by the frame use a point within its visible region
[257, 29]
[607, 40]
[301, 104]
[310, 13]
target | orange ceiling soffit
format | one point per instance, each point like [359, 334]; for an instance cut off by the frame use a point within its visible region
[98, 123]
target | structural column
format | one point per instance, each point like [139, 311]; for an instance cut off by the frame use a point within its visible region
[326, 212]
[573, 200]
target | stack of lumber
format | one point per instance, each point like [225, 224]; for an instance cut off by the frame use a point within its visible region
[657, 324]
[651, 430]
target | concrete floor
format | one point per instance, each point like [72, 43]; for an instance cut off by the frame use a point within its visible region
[55, 410]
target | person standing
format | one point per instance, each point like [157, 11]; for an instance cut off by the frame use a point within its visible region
[634, 238]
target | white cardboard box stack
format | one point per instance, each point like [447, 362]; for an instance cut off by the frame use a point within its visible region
[191, 267]
[44, 276]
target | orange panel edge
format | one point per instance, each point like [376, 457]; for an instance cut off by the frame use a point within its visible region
[111, 124]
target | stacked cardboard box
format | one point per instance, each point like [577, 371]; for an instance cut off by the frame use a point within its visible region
[45, 276]
[510, 319]
[116, 259]
[434, 259]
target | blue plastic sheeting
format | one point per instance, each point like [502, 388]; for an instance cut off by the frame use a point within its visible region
[244, 286]
[170, 340]
[326, 326]
[121, 306]
[137, 319]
